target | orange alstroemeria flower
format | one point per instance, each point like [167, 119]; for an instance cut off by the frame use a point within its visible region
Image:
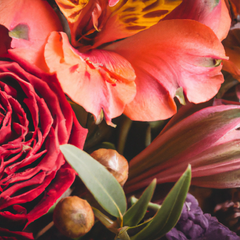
[140, 74]
[126, 56]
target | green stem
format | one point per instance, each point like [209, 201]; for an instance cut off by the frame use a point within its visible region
[123, 235]
[151, 205]
[106, 221]
[124, 130]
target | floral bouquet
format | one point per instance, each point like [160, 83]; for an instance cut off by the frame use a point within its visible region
[119, 119]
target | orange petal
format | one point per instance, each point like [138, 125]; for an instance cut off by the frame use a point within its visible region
[40, 19]
[211, 13]
[169, 55]
[98, 81]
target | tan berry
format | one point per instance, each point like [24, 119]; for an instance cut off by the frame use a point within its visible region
[73, 217]
[115, 163]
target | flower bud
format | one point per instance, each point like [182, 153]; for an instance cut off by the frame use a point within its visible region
[73, 217]
[114, 162]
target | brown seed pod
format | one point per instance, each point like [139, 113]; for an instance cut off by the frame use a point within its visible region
[73, 217]
[114, 162]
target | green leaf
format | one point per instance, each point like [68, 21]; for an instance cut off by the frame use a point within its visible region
[168, 215]
[104, 187]
[122, 235]
[21, 31]
[136, 213]
[141, 225]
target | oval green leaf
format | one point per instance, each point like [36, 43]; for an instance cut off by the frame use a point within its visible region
[168, 215]
[136, 213]
[103, 186]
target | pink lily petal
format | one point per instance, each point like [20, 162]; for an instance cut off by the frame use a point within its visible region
[210, 152]
[169, 55]
[223, 180]
[39, 18]
[211, 13]
[98, 80]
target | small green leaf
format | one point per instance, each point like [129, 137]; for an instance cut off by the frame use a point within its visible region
[104, 187]
[141, 225]
[21, 31]
[122, 235]
[168, 215]
[136, 213]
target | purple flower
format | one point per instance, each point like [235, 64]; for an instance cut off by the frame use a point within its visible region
[195, 225]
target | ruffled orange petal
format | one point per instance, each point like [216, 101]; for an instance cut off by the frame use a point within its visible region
[169, 55]
[98, 80]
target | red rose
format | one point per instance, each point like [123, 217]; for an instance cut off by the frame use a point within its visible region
[35, 118]
[9, 235]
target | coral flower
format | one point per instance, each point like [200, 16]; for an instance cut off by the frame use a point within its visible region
[132, 57]
[140, 74]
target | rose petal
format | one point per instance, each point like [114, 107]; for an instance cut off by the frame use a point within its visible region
[30, 163]
[5, 40]
[14, 235]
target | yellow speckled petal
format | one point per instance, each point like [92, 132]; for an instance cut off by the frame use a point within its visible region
[137, 15]
[129, 17]
[95, 22]
[71, 8]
